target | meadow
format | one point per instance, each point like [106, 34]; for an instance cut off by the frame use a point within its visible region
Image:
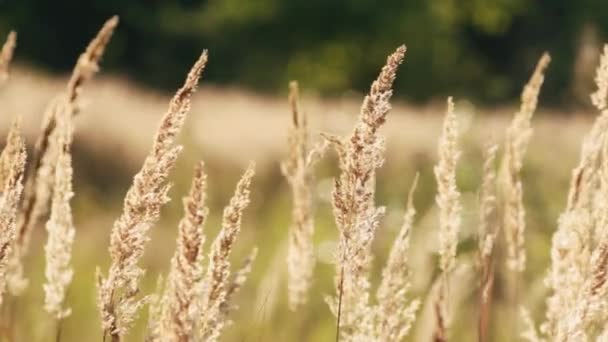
[227, 128]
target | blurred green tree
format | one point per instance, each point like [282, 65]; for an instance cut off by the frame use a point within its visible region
[477, 48]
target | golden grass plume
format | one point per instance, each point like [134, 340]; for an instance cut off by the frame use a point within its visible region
[117, 296]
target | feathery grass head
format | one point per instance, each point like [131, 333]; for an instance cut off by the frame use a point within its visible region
[155, 312]
[448, 202]
[520, 129]
[376, 105]
[238, 280]
[88, 62]
[593, 142]
[518, 137]
[6, 55]
[235, 284]
[448, 196]
[195, 305]
[7, 156]
[529, 96]
[529, 334]
[14, 155]
[217, 280]
[40, 181]
[355, 213]
[601, 79]
[577, 276]
[118, 292]
[486, 238]
[180, 301]
[60, 226]
[487, 204]
[298, 169]
[395, 314]
[578, 279]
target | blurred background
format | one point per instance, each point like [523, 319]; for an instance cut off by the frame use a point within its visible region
[470, 48]
[482, 52]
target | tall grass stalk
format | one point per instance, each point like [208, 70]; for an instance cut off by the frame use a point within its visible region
[6, 55]
[448, 201]
[40, 179]
[118, 292]
[299, 170]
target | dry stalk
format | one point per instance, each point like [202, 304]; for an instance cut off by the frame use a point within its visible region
[356, 215]
[180, 311]
[579, 247]
[448, 201]
[60, 226]
[117, 296]
[298, 169]
[218, 288]
[40, 180]
[395, 313]
[14, 155]
[518, 137]
[6, 55]
[487, 238]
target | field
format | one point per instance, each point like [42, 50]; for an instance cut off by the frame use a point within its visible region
[228, 128]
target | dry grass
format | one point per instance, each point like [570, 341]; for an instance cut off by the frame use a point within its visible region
[218, 288]
[13, 158]
[195, 305]
[486, 239]
[6, 55]
[435, 242]
[60, 226]
[577, 276]
[355, 212]
[40, 182]
[118, 292]
[299, 171]
[517, 139]
[450, 208]
[180, 311]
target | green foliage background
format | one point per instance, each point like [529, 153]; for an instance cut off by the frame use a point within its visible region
[472, 48]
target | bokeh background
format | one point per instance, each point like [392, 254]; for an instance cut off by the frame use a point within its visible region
[480, 51]
[474, 48]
